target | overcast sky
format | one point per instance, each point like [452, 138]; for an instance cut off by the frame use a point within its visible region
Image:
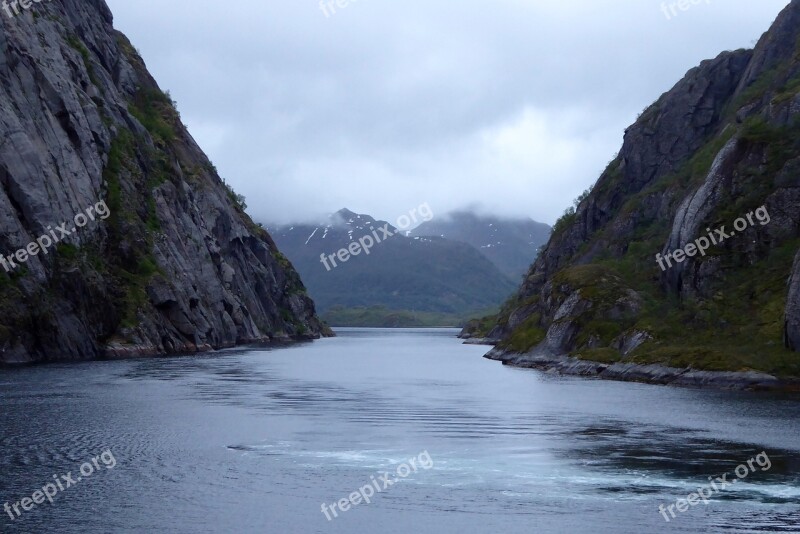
[514, 106]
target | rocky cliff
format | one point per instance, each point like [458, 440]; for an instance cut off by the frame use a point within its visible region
[173, 263]
[623, 281]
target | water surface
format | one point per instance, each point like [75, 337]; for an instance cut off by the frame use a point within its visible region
[257, 440]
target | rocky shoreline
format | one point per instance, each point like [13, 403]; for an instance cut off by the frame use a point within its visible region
[646, 373]
[116, 351]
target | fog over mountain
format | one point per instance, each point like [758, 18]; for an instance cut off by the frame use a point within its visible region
[511, 244]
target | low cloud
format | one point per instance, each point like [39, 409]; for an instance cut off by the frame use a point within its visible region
[515, 105]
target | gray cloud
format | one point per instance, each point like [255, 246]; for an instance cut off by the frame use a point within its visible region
[514, 105]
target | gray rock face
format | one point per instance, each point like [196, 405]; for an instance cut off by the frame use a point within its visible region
[793, 309]
[688, 223]
[679, 123]
[177, 266]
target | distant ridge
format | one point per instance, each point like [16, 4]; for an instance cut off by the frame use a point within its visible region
[400, 274]
[511, 244]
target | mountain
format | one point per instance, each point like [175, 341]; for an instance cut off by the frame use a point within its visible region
[511, 244]
[399, 273]
[685, 252]
[156, 255]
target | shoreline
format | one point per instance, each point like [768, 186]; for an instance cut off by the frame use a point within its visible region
[656, 374]
[118, 352]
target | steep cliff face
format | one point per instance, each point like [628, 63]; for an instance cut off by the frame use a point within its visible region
[793, 309]
[723, 144]
[173, 264]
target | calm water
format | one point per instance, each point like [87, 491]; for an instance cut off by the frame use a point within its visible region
[256, 441]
